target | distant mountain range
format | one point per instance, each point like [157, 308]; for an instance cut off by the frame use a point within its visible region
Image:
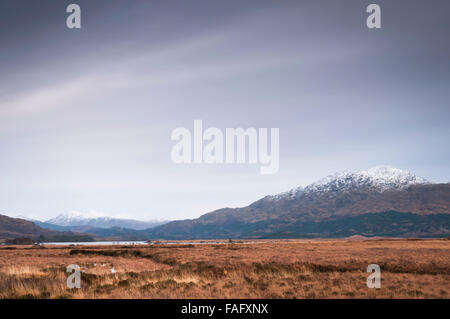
[99, 227]
[11, 228]
[76, 220]
[383, 201]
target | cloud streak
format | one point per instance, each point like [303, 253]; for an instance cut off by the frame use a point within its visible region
[85, 118]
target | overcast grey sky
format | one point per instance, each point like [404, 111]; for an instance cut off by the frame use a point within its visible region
[86, 115]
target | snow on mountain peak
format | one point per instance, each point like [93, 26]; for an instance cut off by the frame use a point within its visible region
[99, 220]
[379, 178]
[386, 174]
[75, 217]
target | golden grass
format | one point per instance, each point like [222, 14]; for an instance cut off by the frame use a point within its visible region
[261, 269]
[24, 271]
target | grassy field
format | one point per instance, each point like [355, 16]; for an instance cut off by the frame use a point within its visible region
[261, 269]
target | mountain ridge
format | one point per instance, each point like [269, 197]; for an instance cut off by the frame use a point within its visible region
[380, 178]
[73, 221]
[11, 228]
[343, 195]
[382, 201]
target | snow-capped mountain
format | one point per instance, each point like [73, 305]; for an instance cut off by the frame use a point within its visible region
[379, 178]
[77, 219]
[73, 219]
[381, 201]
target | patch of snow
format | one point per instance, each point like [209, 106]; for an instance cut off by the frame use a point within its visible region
[379, 178]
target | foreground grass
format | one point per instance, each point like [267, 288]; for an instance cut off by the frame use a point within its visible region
[273, 269]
